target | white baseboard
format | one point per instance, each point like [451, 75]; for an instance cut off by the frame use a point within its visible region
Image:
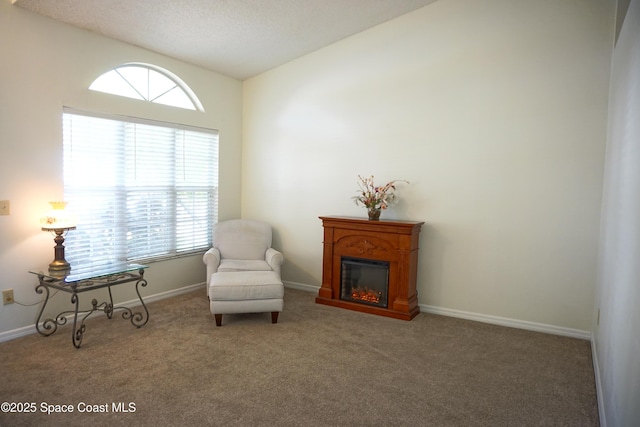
[17, 333]
[301, 286]
[504, 321]
[167, 294]
[599, 390]
[28, 330]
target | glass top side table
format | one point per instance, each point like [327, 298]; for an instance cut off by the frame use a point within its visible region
[88, 278]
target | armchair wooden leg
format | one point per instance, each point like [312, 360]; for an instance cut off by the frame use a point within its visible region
[274, 316]
[218, 319]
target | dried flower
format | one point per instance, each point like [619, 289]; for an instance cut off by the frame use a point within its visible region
[375, 197]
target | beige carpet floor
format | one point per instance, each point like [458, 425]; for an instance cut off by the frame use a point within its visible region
[319, 366]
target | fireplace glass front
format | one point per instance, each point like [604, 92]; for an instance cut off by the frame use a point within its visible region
[364, 281]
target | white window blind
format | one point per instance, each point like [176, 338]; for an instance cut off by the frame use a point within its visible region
[140, 190]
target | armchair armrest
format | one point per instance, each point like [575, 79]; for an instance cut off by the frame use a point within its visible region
[212, 259]
[275, 259]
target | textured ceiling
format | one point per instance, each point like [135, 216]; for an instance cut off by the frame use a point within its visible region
[238, 38]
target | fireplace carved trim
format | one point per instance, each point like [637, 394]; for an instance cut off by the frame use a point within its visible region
[392, 241]
[364, 246]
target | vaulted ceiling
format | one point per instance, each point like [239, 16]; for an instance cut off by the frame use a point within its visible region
[238, 38]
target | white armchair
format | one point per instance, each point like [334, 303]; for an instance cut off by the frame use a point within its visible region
[242, 245]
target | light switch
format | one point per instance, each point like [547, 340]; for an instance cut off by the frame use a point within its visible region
[4, 207]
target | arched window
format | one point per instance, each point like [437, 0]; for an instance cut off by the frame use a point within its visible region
[148, 83]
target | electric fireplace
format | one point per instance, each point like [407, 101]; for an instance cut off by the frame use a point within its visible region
[364, 281]
[370, 266]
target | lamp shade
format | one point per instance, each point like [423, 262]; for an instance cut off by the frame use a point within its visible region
[58, 218]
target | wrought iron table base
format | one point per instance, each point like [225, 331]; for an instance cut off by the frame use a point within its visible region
[50, 325]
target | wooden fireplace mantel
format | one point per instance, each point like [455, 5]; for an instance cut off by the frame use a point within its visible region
[392, 241]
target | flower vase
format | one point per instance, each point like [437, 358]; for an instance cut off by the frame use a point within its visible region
[374, 214]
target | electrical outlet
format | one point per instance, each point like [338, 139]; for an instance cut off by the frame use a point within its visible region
[5, 206]
[7, 296]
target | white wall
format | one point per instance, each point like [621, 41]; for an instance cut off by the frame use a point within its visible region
[47, 65]
[617, 337]
[495, 110]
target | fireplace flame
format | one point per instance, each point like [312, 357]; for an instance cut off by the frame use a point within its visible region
[367, 295]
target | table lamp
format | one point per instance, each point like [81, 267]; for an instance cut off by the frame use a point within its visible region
[58, 221]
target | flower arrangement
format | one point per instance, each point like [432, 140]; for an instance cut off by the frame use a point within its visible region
[374, 197]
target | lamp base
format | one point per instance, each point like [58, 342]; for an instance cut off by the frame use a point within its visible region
[59, 265]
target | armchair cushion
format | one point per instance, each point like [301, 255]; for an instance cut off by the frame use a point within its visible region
[247, 285]
[227, 265]
[242, 239]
